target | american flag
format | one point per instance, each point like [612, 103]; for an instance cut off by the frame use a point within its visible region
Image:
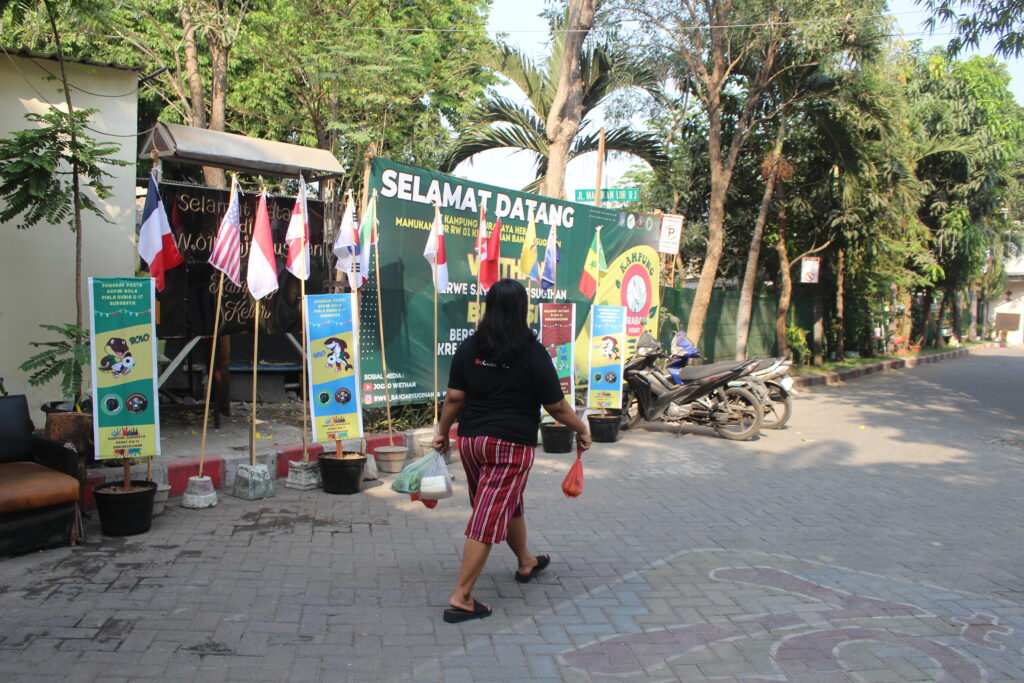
[226, 255]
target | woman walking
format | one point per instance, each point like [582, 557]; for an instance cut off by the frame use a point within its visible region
[500, 377]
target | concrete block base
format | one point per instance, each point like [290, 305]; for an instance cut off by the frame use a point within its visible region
[253, 482]
[303, 476]
[199, 493]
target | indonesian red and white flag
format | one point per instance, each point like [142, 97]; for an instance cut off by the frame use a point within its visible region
[481, 235]
[346, 246]
[261, 275]
[297, 237]
[490, 258]
[434, 253]
[156, 241]
[226, 255]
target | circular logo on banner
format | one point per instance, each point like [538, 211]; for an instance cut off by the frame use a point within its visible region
[611, 377]
[323, 398]
[631, 221]
[637, 293]
[136, 403]
[342, 396]
[111, 405]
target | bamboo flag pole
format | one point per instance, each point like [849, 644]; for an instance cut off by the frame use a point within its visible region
[305, 389]
[380, 331]
[435, 340]
[209, 378]
[597, 202]
[255, 348]
[338, 448]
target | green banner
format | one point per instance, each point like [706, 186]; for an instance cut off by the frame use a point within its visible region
[126, 411]
[405, 207]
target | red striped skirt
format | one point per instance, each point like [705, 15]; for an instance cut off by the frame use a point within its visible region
[496, 472]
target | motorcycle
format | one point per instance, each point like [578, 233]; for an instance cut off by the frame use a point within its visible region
[696, 395]
[769, 380]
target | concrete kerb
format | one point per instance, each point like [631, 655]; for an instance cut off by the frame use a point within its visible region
[841, 376]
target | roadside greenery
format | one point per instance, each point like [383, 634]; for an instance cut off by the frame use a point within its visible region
[779, 130]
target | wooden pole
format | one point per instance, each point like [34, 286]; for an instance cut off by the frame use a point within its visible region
[435, 340]
[255, 348]
[600, 168]
[383, 355]
[305, 389]
[209, 379]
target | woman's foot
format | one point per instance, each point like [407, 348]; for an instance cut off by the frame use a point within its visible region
[466, 604]
[527, 573]
[456, 615]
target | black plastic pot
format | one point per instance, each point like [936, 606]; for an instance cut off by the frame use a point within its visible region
[342, 475]
[125, 514]
[604, 428]
[556, 438]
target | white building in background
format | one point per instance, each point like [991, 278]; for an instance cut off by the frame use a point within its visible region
[1006, 313]
[37, 265]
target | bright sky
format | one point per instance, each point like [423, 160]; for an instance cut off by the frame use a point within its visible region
[521, 21]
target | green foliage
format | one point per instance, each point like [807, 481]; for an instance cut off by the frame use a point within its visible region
[36, 167]
[65, 358]
[797, 338]
[403, 417]
[1001, 19]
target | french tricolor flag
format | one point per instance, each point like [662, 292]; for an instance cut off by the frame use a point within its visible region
[156, 242]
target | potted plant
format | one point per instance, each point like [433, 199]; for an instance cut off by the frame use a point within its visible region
[125, 507]
[68, 420]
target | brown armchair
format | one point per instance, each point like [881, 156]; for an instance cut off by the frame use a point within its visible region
[40, 485]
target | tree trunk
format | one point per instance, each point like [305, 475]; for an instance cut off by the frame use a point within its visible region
[905, 326]
[973, 304]
[926, 316]
[746, 303]
[840, 322]
[786, 289]
[566, 111]
[76, 190]
[197, 98]
[819, 326]
[215, 177]
[939, 341]
[958, 303]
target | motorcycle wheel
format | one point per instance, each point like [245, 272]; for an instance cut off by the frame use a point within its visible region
[745, 413]
[778, 409]
[630, 410]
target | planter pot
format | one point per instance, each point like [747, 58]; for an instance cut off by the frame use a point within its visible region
[556, 438]
[160, 498]
[425, 444]
[125, 514]
[391, 459]
[71, 429]
[342, 475]
[604, 429]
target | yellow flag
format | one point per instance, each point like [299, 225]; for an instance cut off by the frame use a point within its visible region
[528, 259]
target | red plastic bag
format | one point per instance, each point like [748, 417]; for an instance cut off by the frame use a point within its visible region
[572, 485]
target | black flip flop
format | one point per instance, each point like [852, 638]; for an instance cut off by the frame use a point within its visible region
[456, 615]
[542, 563]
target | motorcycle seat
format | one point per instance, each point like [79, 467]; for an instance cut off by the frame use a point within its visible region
[690, 373]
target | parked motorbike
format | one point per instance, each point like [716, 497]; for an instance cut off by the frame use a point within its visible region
[695, 395]
[769, 379]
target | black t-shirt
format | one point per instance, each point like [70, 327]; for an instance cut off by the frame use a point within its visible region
[504, 402]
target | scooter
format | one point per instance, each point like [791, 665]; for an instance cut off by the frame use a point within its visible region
[769, 379]
[695, 395]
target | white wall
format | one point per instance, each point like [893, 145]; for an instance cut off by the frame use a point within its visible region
[1012, 301]
[37, 266]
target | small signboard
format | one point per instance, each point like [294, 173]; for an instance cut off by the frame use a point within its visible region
[607, 346]
[610, 194]
[671, 231]
[809, 266]
[558, 335]
[126, 416]
[333, 366]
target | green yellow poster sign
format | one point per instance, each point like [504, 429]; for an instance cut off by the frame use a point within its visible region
[406, 197]
[607, 346]
[126, 411]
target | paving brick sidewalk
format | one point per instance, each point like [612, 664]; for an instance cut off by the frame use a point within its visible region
[823, 552]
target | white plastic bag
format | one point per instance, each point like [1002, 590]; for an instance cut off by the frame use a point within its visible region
[436, 483]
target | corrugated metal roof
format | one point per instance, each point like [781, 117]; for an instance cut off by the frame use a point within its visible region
[192, 145]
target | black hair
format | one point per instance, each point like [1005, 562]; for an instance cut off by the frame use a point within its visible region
[503, 334]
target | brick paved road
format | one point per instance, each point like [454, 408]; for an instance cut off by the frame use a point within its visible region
[878, 539]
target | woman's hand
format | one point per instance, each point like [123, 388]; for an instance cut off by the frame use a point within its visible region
[583, 441]
[440, 444]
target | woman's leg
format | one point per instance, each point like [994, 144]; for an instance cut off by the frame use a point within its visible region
[474, 557]
[517, 542]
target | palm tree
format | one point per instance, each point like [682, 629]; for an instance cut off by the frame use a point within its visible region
[500, 123]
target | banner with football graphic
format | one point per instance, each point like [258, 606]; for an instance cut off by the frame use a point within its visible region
[333, 366]
[607, 348]
[126, 410]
